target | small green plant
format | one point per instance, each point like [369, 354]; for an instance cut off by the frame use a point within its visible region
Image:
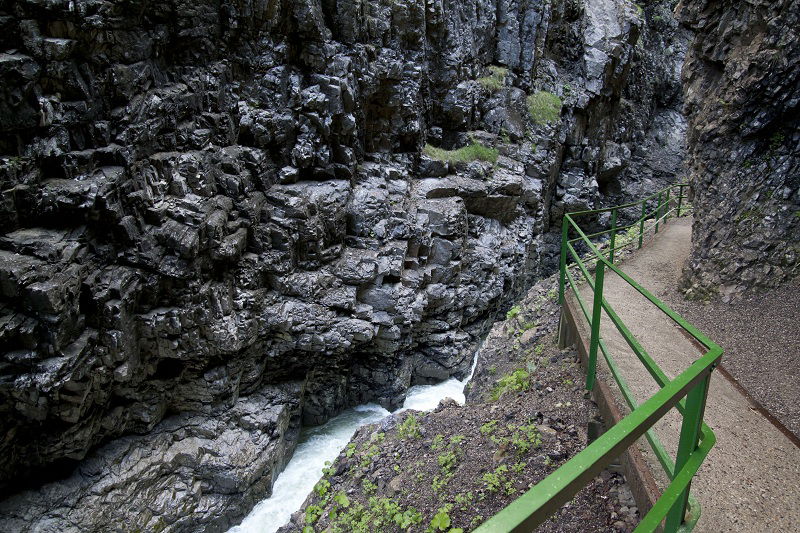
[322, 487]
[441, 520]
[350, 450]
[371, 452]
[494, 480]
[464, 500]
[409, 429]
[525, 437]
[494, 81]
[369, 487]
[544, 107]
[776, 140]
[313, 512]
[518, 380]
[488, 428]
[438, 442]
[514, 311]
[456, 440]
[467, 154]
[378, 516]
[340, 498]
[447, 461]
[439, 482]
[492, 370]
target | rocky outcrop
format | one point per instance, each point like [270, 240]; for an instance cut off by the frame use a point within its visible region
[742, 81]
[201, 202]
[192, 471]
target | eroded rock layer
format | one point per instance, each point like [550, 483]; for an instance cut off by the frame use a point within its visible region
[742, 84]
[204, 203]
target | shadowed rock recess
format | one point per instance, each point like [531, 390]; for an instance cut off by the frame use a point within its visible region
[218, 223]
[742, 85]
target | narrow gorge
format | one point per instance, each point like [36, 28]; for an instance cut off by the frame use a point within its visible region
[223, 222]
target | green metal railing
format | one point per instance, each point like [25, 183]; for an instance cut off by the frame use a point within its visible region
[687, 392]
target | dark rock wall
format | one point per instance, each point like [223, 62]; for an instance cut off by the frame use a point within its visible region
[215, 208]
[742, 83]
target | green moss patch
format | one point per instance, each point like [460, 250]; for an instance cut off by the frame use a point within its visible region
[494, 81]
[472, 152]
[544, 107]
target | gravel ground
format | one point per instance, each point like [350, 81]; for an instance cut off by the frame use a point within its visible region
[761, 339]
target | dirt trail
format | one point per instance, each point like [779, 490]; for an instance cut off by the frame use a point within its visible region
[749, 481]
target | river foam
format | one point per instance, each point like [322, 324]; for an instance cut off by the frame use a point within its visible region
[323, 443]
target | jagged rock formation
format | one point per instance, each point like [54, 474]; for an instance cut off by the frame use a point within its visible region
[201, 202]
[742, 81]
[190, 469]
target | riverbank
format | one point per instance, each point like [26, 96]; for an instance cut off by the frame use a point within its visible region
[458, 465]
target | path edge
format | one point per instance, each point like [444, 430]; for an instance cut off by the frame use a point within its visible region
[637, 471]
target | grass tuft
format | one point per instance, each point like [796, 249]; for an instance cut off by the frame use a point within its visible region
[494, 81]
[544, 107]
[472, 152]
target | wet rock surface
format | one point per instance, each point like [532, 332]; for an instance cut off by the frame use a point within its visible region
[742, 85]
[191, 472]
[200, 201]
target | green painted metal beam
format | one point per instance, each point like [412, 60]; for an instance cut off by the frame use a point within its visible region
[696, 438]
[535, 506]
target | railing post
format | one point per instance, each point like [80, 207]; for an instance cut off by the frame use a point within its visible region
[658, 211]
[641, 222]
[666, 209]
[613, 234]
[562, 276]
[690, 433]
[680, 198]
[597, 309]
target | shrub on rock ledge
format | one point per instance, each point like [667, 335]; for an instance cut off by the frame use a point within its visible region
[544, 107]
[467, 154]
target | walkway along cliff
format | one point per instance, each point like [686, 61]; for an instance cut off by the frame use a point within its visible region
[222, 221]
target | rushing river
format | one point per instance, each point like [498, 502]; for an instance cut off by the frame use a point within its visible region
[323, 443]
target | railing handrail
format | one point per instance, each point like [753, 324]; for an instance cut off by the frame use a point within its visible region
[696, 438]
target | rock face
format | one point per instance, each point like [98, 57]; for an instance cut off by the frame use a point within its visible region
[202, 202]
[191, 469]
[742, 81]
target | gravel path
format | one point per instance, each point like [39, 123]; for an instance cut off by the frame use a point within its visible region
[748, 482]
[761, 338]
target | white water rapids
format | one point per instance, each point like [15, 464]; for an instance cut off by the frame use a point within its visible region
[323, 443]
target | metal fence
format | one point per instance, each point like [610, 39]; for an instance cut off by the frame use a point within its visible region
[687, 392]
